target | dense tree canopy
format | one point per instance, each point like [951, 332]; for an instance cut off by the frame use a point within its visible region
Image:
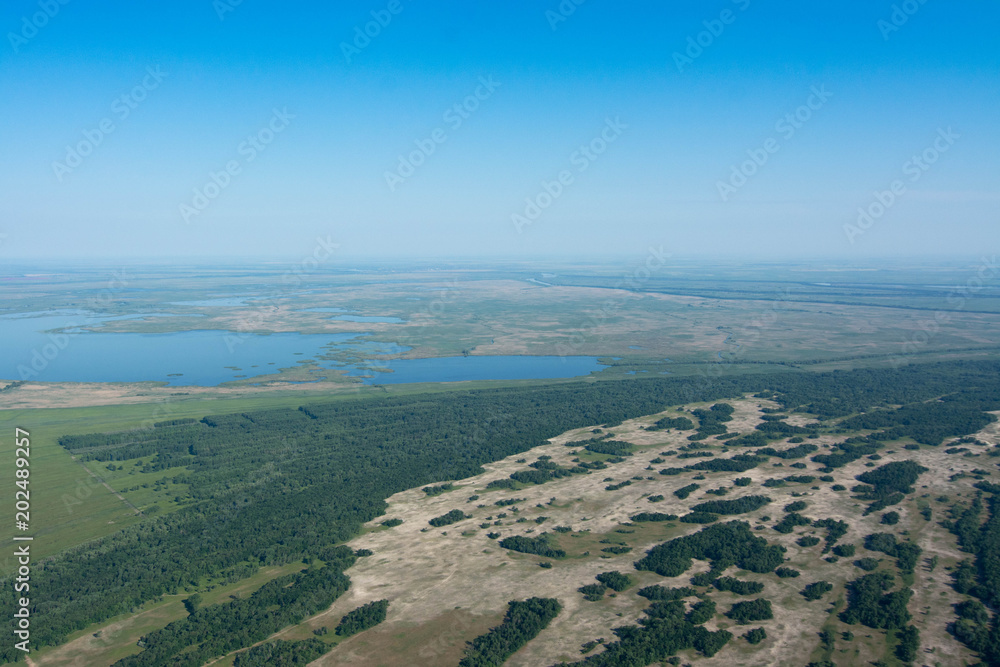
[790, 521]
[907, 554]
[738, 586]
[364, 617]
[522, 623]
[870, 604]
[738, 463]
[657, 592]
[679, 423]
[737, 506]
[751, 610]
[652, 516]
[221, 628]
[282, 653]
[732, 543]
[977, 626]
[538, 546]
[686, 491]
[816, 590]
[615, 580]
[451, 517]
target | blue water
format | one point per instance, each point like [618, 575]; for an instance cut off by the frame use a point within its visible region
[30, 351]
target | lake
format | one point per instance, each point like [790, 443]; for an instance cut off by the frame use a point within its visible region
[212, 357]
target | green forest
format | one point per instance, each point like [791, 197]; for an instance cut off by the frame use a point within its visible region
[522, 622]
[978, 625]
[282, 653]
[364, 617]
[272, 487]
[730, 543]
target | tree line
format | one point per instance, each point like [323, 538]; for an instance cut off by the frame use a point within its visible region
[366, 616]
[522, 623]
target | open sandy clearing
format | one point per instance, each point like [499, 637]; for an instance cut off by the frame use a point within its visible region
[448, 585]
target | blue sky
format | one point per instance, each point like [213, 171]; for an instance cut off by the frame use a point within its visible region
[227, 74]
